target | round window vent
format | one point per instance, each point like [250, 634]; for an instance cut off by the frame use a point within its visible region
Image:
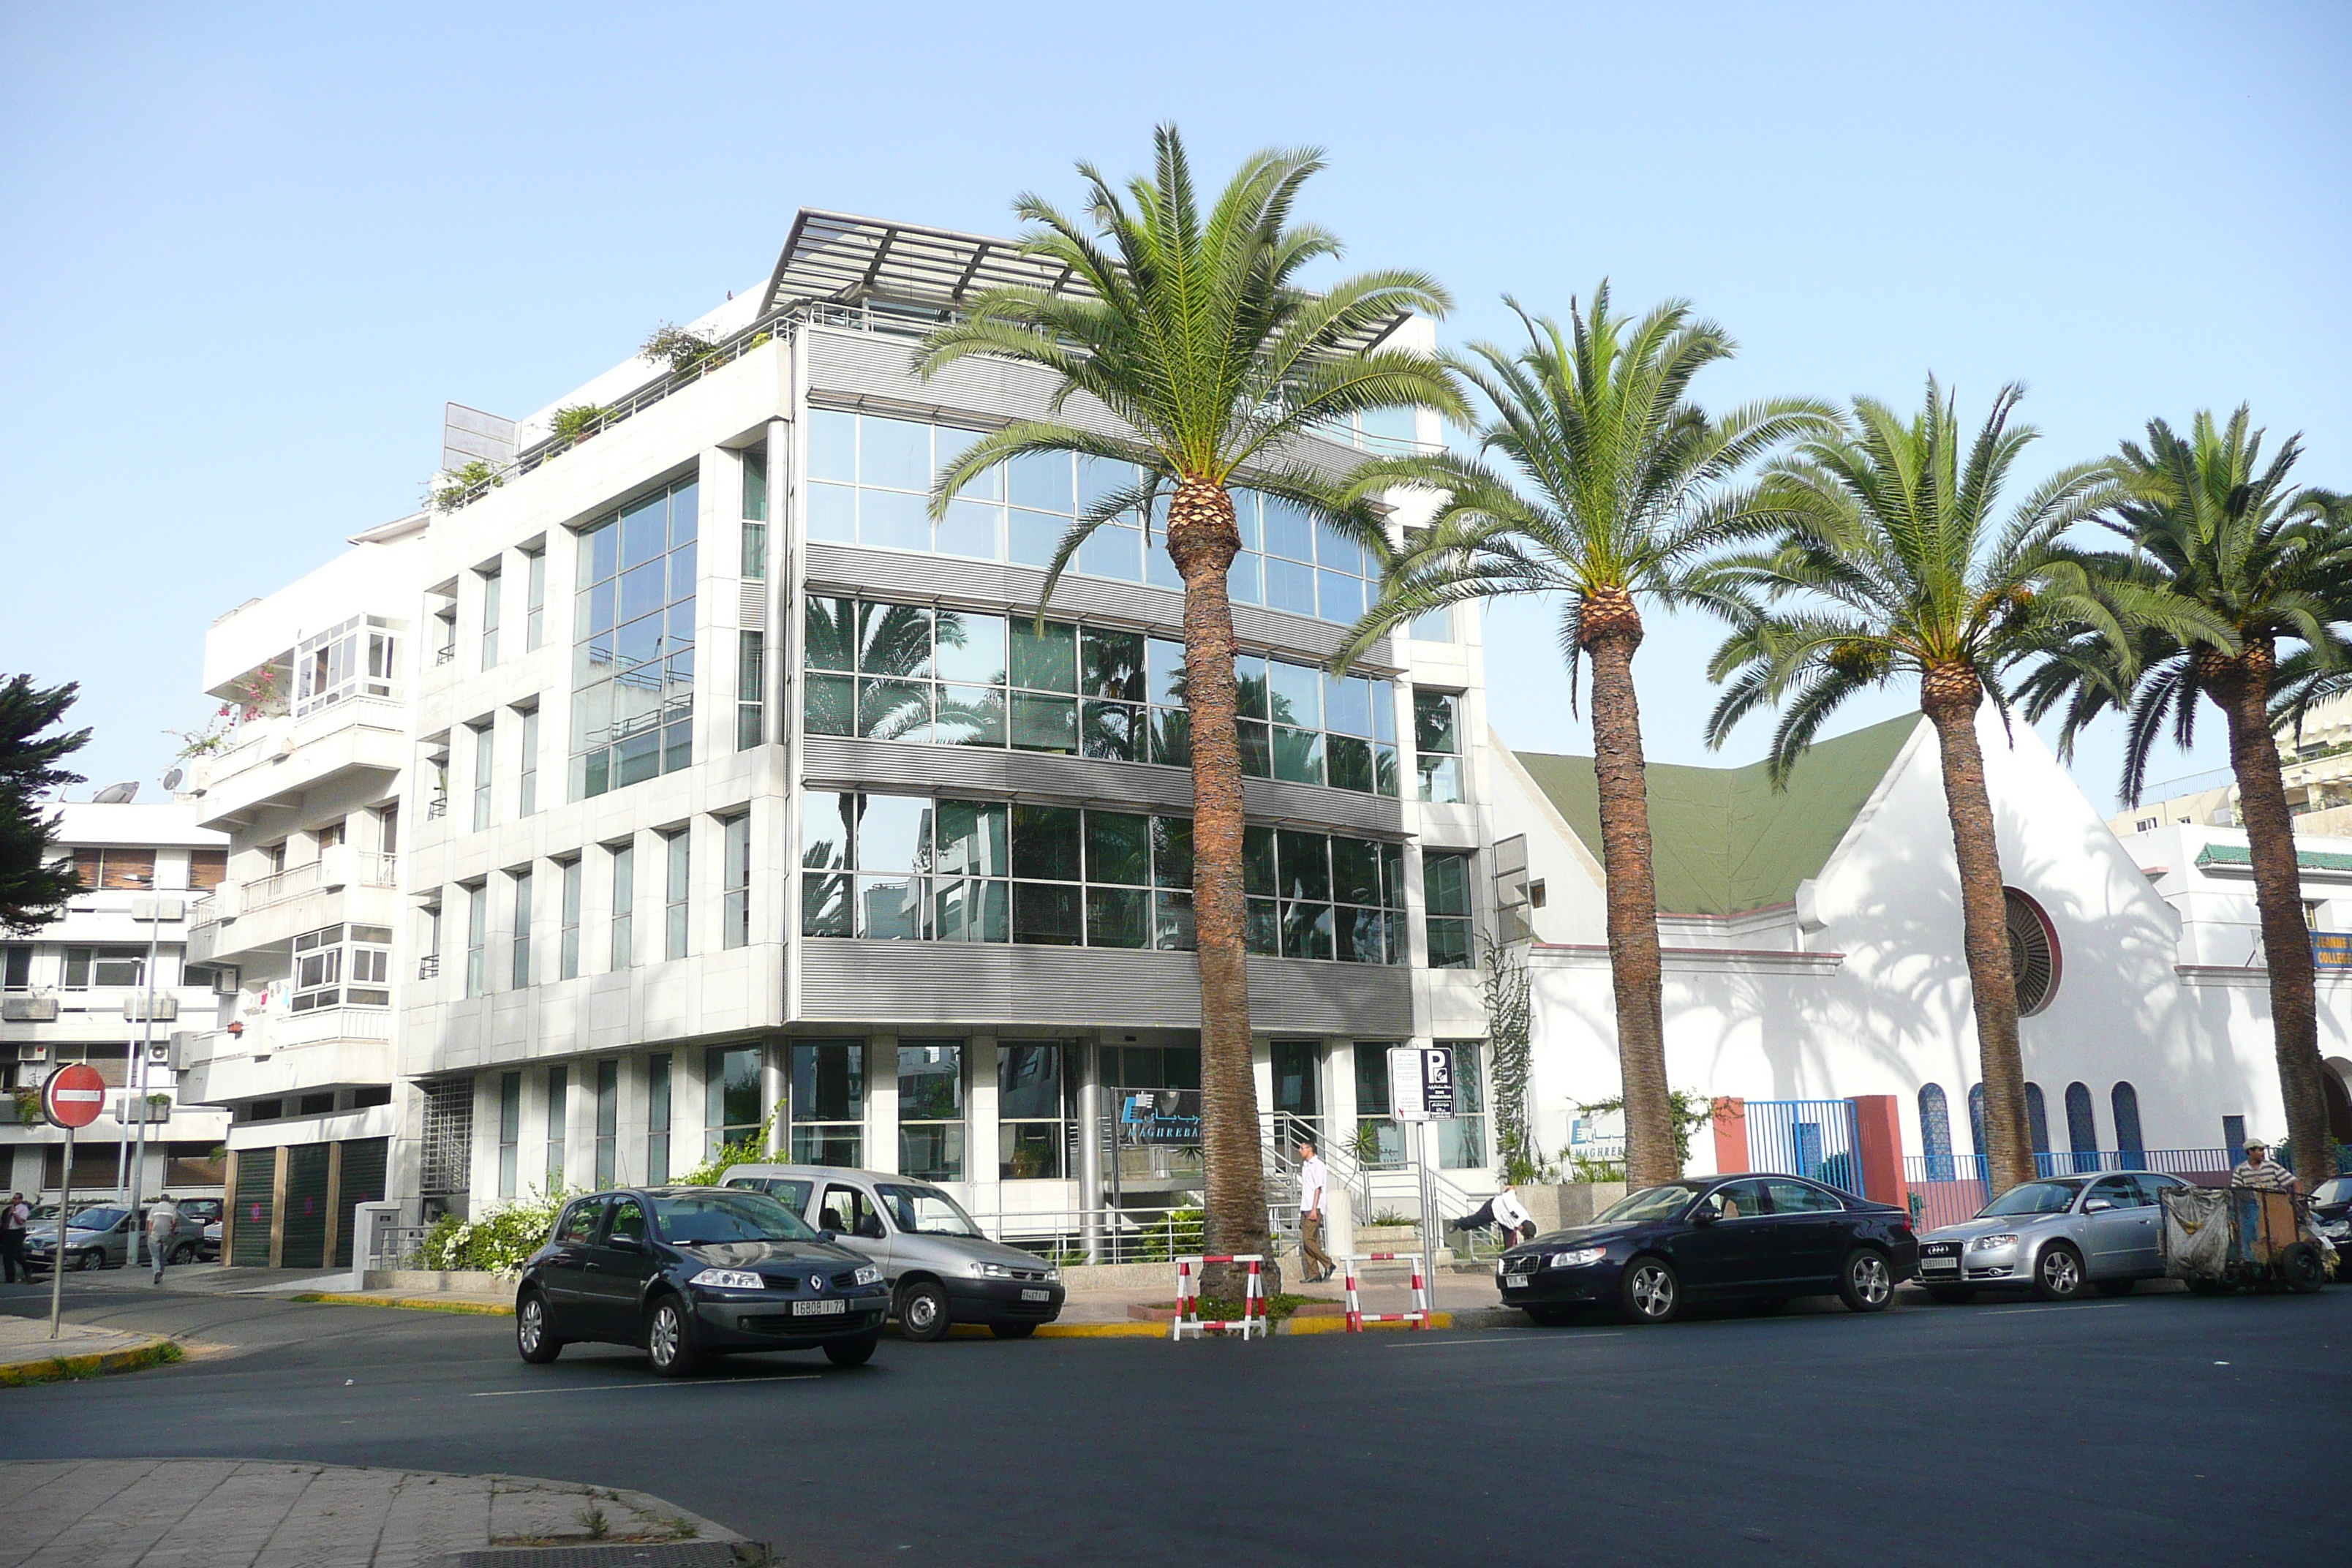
[2033, 952]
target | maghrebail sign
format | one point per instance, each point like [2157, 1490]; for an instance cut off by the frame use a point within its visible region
[1159, 1116]
[1421, 1083]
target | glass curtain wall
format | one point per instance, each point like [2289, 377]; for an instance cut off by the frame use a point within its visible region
[1437, 744]
[1035, 1108]
[931, 1110]
[1462, 1142]
[1447, 910]
[1380, 1138]
[657, 1090]
[731, 1078]
[828, 1103]
[633, 643]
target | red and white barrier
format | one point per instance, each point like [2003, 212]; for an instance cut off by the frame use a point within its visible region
[1253, 1320]
[1358, 1317]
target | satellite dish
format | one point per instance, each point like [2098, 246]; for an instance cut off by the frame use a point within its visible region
[116, 795]
[171, 781]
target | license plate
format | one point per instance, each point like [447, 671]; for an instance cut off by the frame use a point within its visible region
[831, 1306]
[1939, 1265]
[1514, 1281]
[1036, 1295]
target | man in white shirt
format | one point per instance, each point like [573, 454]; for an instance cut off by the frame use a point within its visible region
[1312, 1181]
[162, 1225]
[1503, 1209]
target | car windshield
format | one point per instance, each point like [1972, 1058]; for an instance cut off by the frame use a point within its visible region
[926, 1211]
[2033, 1197]
[2334, 1190]
[96, 1219]
[715, 1218]
[1650, 1203]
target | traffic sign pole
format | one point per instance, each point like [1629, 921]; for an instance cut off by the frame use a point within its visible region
[71, 1098]
[57, 1259]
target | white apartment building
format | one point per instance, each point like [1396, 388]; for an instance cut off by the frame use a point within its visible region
[114, 979]
[308, 929]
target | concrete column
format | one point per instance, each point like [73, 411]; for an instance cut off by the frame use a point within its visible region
[776, 1087]
[882, 1102]
[1880, 1127]
[980, 1146]
[1730, 1125]
[1086, 1068]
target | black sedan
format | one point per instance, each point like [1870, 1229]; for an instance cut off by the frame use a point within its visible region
[1762, 1239]
[688, 1272]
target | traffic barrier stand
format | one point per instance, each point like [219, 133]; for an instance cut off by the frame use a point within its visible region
[1358, 1317]
[1253, 1320]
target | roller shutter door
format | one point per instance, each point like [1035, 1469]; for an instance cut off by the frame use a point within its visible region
[362, 1183]
[303, 1241]
[256, 1180]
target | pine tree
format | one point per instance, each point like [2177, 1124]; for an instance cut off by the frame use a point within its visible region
[33, 892]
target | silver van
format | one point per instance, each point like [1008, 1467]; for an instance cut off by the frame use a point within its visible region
[941, 1268]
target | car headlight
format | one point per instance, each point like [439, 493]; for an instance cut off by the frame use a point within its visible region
[1990, 1243]
[1581, 1258]
[730, 1280]
[1053, 1274]
[993, 1272]
[870, 1275]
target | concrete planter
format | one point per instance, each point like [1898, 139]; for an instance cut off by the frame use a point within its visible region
[455, 1281]
[1569, 1204]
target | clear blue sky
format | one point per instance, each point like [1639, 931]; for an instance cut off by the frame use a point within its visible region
[247, 255]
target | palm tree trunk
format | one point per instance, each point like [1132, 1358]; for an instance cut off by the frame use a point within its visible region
[1202, 542]
[1950, 695]
[1611, 628]
[2243, 690]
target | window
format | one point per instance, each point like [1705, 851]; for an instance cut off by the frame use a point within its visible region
[735, 900]
[673, 907]
[1936, 1132]
[519, 975]
[336, 965]
[1033, 1109]
[632, 636]
[116, 968]
[628, 1218]
[2125, 1101]
[2033, 953]
[534, 603]
[1437, 743]
[1445, 894]
[608, 1121]
[1976, 1121]
[208, 868]
[2314, 914]
[1800, 1197]
[657, 1118]
[16, 969]
[625, 905]
[2037, 1122]
[953, 678]
[2082, 1127]
[1462, 1142]
[1433, 626]
[1737, 1200]
[527, 784]
[848, 1212]
[731, 1082]
[357, 659]
[477, 934]
[490, 585]
[116, 868]
[2233, 1138]
[1380, 1138]
[750, 677]
[930, 1109]
[387, 821]
[485, 754]
[910, 869]
[580, 1221]
[828, 1102]
[330, 836]
[559, 1094]
[567, 947]
[755, 515]
[509, 1129]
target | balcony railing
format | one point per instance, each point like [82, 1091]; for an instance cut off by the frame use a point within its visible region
[429, 967]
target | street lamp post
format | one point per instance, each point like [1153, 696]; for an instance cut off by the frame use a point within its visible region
[135, 1084]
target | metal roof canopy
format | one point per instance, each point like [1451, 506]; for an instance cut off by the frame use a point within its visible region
[841, 258]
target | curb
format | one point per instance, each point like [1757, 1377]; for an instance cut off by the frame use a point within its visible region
[63, 1369]
[464, 1309]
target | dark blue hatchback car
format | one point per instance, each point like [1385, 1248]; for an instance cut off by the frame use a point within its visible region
[689, 1271]
[1759, 1239]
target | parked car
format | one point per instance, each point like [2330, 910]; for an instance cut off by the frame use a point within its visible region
[689, 1272]
[942, 1267]
[98, 1237]
[1759, 1239]
[2331, 1217]
[2054, 1237]
[200, 1225]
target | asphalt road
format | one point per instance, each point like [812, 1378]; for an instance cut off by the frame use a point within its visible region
[2161, 1428]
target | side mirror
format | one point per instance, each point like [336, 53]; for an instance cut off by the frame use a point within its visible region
[1703, 1216]
[869, 1228]
[828, 1237]
[626, 1243]
[2098, 1205]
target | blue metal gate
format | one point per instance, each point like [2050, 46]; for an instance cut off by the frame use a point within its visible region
[1816, 1138]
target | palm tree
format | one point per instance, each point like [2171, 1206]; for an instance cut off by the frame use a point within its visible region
[1195, 335]
[1885, 561]
[2227, 562]
[1610, 488]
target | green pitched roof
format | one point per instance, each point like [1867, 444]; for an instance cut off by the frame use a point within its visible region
[1722, 840]
[2308, 860]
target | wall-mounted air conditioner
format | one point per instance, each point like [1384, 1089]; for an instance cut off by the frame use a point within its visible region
[33, 1051]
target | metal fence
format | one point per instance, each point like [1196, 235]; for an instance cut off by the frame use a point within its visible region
[1817, 1138]
[1947, 1189]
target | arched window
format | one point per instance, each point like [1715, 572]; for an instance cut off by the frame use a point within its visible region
[2126, 1101]
[2082, 1128]
[1936, 1132]
[1976, 1125]
[2037, 1123]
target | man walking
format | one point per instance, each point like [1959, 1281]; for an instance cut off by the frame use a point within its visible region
[14, 1220]
[163, 1225]
[1312, 1180]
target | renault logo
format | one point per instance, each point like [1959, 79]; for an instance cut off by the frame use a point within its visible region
[816, 1282]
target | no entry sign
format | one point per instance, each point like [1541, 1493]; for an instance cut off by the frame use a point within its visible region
[73, 1096]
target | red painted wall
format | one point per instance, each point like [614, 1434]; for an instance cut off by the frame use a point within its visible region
[1882, 1148]
[1730, 1126]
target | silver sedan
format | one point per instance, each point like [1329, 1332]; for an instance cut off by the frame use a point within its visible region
[2054, 1237]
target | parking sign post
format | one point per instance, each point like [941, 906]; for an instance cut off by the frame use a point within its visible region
[1421, 1089]
[71, 1097]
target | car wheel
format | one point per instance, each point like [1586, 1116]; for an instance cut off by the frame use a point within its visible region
[852, 1352]
[2058, 1273]
[534, 1340]
[2113, 1287]
[88, 1261]
[1651, 1293]
[1551, 1317]
[923, 1311]
[2299, 1264]
[1951, 1295]
[1865, 1284]
[184, 1255]
[1012, 1331]
[669, 1339]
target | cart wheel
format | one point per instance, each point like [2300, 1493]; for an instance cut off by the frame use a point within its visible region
[2299, 1265]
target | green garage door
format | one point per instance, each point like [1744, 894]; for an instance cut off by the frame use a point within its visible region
[256, 1179]
[303, 1241]
[362, 1183]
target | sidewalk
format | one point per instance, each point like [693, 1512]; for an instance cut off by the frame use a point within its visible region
[28, 1354]
[236, 1513]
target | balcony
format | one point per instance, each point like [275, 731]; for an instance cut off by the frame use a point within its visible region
[276, 759]
[334, 1048]
[344, 885]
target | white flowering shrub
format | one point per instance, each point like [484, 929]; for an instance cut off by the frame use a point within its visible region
[500, 1241]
